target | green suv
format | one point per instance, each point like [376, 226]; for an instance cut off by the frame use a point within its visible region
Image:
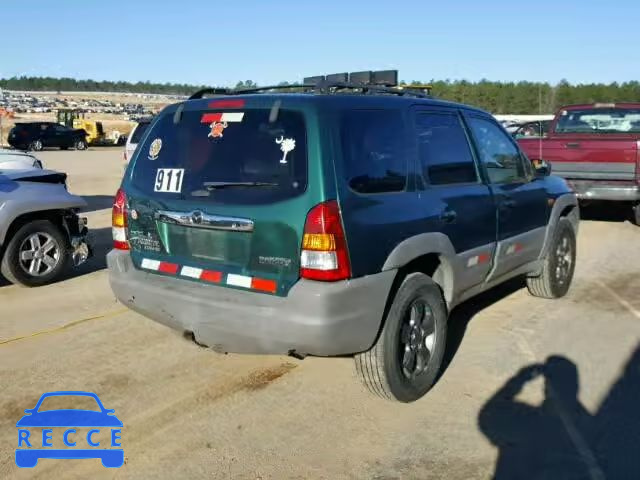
[334, 218]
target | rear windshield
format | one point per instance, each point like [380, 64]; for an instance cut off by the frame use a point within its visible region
[256, 156]
[138, 132]
[599, 120]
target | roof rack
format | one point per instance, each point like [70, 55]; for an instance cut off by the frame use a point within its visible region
[368, 82]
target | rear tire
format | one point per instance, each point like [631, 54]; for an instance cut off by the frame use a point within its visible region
[36, 145]
[635, 217]
[405, 361]
[559, 264]
[15, 268]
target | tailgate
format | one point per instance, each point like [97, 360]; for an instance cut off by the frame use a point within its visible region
[577, 157]
[220, 196]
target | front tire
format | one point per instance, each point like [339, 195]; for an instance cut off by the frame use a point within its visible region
[405, 361]
[36, 145]
[559, 265]
[37, 254]
[80, 145]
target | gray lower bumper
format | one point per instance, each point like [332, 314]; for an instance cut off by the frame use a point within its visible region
[316, 318]
[592, 191]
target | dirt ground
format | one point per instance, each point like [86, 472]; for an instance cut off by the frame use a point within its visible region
[191, 413]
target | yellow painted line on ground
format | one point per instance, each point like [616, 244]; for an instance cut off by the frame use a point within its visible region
[63, 327]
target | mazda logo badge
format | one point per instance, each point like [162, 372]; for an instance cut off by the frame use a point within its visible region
[196, 217]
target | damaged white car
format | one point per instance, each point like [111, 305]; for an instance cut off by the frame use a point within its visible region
[41, 233]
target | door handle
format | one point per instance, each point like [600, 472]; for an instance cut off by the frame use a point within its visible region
[448, 216]
[508, 203]
[573, 145]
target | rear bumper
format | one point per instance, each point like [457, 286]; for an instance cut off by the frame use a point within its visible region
[588, 190]
[315, 318]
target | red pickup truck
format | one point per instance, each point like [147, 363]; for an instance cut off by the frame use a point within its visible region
[596, 148]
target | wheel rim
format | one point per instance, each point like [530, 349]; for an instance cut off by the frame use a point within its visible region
[37, 145]
[80, 145]
[417, 339]
[564, 260]
[39, 254]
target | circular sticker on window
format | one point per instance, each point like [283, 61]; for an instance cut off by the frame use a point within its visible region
[154, 149]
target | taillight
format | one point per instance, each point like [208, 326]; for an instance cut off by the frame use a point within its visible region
[119, 221]
[324, 247]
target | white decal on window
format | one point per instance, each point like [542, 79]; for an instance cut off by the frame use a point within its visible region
[169, 180]
[286, 145]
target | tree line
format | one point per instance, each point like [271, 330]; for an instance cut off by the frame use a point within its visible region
[496, 97]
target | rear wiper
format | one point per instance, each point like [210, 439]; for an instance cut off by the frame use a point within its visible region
[217, 185]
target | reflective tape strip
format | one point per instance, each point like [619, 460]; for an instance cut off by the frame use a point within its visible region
[209, 276]
[150, 264]
[166, 267]
[238, 280]
[513, 248]
[264, 285]
[191, 272]
[478, 259]
[119, 234]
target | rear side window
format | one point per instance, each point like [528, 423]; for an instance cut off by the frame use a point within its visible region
[374, 150]
[138, 132]
[444, 150]
[247, 157]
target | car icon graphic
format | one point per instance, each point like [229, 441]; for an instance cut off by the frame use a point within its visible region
[70, 419]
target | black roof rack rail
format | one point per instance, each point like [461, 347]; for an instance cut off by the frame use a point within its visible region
[326, 87]
[243, 91]
[209, 91]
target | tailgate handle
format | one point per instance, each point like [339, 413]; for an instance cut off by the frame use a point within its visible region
[573, 145]
[199, 219]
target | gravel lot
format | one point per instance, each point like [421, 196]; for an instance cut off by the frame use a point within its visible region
[189, 412]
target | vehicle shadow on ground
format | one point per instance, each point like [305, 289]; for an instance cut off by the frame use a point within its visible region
[560, 438]
[462, 315]
[603, 212]
[97, 202]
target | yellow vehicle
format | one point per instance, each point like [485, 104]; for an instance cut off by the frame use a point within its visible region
[74, 118]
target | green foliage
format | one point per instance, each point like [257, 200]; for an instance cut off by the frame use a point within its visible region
[497, 97]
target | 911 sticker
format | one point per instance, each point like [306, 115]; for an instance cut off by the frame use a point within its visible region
[169, 180]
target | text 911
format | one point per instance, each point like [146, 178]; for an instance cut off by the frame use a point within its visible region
[169, 180]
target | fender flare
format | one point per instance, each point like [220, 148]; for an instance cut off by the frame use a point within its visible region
[426, 244]
[561, 203]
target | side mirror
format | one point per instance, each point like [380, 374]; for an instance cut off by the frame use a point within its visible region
[542, 168]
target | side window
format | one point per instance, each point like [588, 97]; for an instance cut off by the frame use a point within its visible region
[374, 150]
[497, 152]
[60, 128]
[444, 150]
